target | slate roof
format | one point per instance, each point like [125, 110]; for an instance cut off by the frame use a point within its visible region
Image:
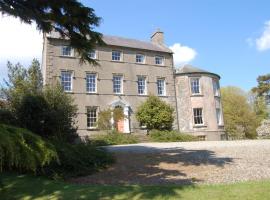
[126, 42]
[189, 69]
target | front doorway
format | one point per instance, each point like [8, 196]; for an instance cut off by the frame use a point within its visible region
[123, 124]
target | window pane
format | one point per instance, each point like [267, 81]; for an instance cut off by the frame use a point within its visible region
[159, 60]
[117, 84]
[91, 117]
[218, 113]
[198, 118]
[161, 87]
[140, 58]
[195, 85]
[216, 88]
[91, 82]
[92, 54]
[116, 55]
[66, 78]
[66, 51]
[141, 85]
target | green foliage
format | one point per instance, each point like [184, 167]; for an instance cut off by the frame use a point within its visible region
[104, 118]
[155, 114]
[24, 151]
[239, 118]
[170, 136]
[263, 87]
[77, 160]
[7, 117]
[113, 138]
[49, 112]
[70, 18]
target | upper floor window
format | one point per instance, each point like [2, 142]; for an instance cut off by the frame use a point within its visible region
[161, 87]
[216, 87]
[67, 51]
[140, 58]
[66, 80]
[118, 84]
[92, 117]
[218, 115]
[116, 55]
[159, 60]
[142, 85]
[198, 116]
[92, 54]
[195, 85]
[91, 83]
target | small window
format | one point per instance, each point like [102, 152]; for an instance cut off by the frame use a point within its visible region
[201, 137]
[140, 58]
[92, 54]
[116, 55]
[218, 114]
[92, 117]
[91, 83]
[216, 88]
[141, 85]
[195, 85]
[159, 60]
[66, 51]
[66, 81]
[198, 117]
[117, 84]
[161, 87]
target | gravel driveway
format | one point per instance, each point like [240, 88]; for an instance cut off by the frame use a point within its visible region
[186, 163]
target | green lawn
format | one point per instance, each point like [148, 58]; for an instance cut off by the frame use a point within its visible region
[29, 187]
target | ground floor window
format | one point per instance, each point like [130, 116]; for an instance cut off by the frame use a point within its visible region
[92, 117]
[198, 116]
[218, 113]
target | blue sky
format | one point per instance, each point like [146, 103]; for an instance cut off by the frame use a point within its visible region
[230, 38]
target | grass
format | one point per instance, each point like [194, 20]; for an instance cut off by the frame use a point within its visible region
[28, 187]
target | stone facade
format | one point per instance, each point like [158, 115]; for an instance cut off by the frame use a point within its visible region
[157, 65]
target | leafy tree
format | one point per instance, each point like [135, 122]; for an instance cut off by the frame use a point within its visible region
[155, 114]
[263, 87]
[105, 116]
[70, 18]
[239, 118]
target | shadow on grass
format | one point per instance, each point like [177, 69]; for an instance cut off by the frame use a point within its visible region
[30, 187]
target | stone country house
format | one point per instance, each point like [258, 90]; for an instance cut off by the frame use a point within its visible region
[129, 70]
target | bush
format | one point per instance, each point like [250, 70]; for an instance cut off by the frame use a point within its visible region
[7, 117]
[77, 160]
[113, 138]
[155, 114]
[24, 151]
[170, 136]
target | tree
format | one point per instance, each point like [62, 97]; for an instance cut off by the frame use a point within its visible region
[239, 118]
[263, 87]
[70, 18]
[105, 118]
[155, 114]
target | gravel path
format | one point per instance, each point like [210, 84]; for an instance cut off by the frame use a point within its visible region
[186, 163]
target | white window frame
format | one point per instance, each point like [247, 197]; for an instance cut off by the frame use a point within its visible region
[216, 87]
[137, 59]
[144, 80]
[71, 51]
[86, 80]
[194, 86]
[120, 56]
[199, 116]
[88, 123]
[71, 80]
[121, 82]
[218, 116]
[162, 60]
[93, 52]
[164, 86]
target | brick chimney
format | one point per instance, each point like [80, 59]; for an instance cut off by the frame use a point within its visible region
[158, 37]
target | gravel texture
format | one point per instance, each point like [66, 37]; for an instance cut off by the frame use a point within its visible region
[186, 163]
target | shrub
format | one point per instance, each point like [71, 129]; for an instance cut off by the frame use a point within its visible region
[170, 136]
[155, 114]
[7, 117]
[24, 151]
[113, 138]
[77, 160]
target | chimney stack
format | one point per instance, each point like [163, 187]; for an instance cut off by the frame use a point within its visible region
[158, 37]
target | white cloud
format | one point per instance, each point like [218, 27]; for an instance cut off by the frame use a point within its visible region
[182, 54]
[263, 42]
[19, 42]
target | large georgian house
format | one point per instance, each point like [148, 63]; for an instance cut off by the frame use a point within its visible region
[128, 72]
